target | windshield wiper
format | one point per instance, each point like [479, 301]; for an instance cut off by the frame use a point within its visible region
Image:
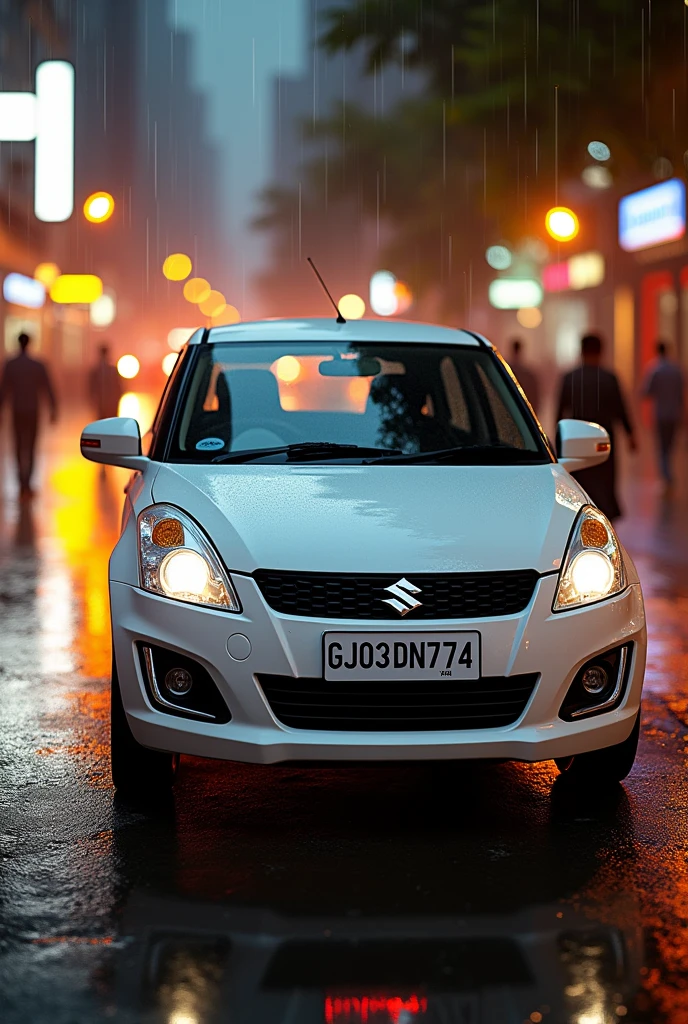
[500, 454]
[305, 450]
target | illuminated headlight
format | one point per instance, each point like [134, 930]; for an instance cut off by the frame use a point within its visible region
[593, 567]
[177, 560]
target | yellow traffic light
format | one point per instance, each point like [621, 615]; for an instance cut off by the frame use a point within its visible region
[99, 207]
[562, 223]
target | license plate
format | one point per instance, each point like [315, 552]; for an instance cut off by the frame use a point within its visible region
[401, 656]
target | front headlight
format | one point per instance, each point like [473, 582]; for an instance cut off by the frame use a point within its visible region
[178, 561]
[593, 566]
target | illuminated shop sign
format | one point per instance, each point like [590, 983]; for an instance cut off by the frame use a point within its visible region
[586, 270]
[514, 293]
[653, 215]
[23, 291]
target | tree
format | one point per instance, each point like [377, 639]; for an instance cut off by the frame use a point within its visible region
[514, 93]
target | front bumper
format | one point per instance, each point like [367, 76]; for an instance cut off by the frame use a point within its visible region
[555, 646]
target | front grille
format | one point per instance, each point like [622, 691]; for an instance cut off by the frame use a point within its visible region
[419, 706]
[353, 596]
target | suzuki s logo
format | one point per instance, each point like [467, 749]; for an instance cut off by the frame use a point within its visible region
[403, 600]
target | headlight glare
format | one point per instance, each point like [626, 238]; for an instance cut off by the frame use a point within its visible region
[592, 574]
[176, 560]
[593, 568]
[184, 572]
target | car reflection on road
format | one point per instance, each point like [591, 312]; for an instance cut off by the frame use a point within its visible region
[197, 962]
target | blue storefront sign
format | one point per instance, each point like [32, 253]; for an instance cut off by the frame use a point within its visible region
[653, 215]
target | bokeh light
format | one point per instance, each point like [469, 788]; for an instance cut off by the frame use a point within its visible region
[128, 367]
[599, 151]
[562, 223]
[383, 300]
[47, 274]
[168, 363]
[196, 290]
[662, 168]
[351, 306]
[287, 369]
[103, 311]
[177, 267]
[229, 316]
[81, 289]
[129, 405]
[99, 207]
[498, 257]
[403, 295]
[529, 317]
[213, 305]
[596, 176]
[178, 337]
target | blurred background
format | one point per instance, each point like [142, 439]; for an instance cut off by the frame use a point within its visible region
[415, 151]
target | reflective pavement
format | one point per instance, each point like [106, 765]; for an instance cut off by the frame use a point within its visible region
[287, 895]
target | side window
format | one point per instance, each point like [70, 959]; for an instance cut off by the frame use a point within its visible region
[498, 402]
[456, 400]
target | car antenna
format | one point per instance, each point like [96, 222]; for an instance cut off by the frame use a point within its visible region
[340, 318]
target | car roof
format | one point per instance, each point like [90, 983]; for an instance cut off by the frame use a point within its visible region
[327, 329]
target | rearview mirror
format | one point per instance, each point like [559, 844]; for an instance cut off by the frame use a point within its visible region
[114, 442]
[363, 366]
[581, 445]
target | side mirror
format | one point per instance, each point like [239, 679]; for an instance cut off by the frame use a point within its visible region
[581, 445]
[114, 442]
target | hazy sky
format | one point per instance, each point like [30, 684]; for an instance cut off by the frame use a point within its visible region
[240, 46]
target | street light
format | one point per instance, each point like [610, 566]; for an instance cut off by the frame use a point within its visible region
[561, 223]
[177, 266]
[99, 207]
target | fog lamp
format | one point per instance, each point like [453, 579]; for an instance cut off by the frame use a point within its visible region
[595, 679]
[178, 681]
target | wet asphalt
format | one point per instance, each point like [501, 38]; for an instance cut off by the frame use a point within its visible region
[389, 895]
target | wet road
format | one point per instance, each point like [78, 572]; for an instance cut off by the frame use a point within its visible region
[386, 896]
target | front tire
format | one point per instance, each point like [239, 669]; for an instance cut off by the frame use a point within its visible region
[136, 770]
[611, 764]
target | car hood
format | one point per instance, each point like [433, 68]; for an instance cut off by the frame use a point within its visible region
[397, 519]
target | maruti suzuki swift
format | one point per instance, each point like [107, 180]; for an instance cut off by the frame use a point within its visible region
[354, 542]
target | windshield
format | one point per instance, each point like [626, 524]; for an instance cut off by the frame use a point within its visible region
[385, 399]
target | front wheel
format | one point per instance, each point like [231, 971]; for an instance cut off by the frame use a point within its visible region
[611, 764]
[136, 770]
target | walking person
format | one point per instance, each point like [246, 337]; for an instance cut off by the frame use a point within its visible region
[592, 393]
[524, 374]
[26, 385]
[105, 385]
[664, 383]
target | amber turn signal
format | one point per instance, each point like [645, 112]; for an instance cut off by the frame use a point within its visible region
[594, 534]
[168, 533]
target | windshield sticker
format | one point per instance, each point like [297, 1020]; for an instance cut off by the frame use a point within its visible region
[209, 444]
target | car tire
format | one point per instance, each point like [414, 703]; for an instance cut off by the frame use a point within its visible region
[136, 770]
[611, 764]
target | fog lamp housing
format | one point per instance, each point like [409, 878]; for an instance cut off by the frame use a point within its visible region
[599, 685]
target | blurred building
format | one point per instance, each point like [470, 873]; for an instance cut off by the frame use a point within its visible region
[140, 134]
[337, 235]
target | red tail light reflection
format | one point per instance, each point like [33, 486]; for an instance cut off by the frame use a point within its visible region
[374, 1009]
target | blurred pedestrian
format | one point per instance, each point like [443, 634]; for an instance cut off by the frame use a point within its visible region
[664, 383]
[26, 385]
[524, 374]
[105, 385]
[593, 393]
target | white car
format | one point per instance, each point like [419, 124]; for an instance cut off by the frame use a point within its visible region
[354, 542]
